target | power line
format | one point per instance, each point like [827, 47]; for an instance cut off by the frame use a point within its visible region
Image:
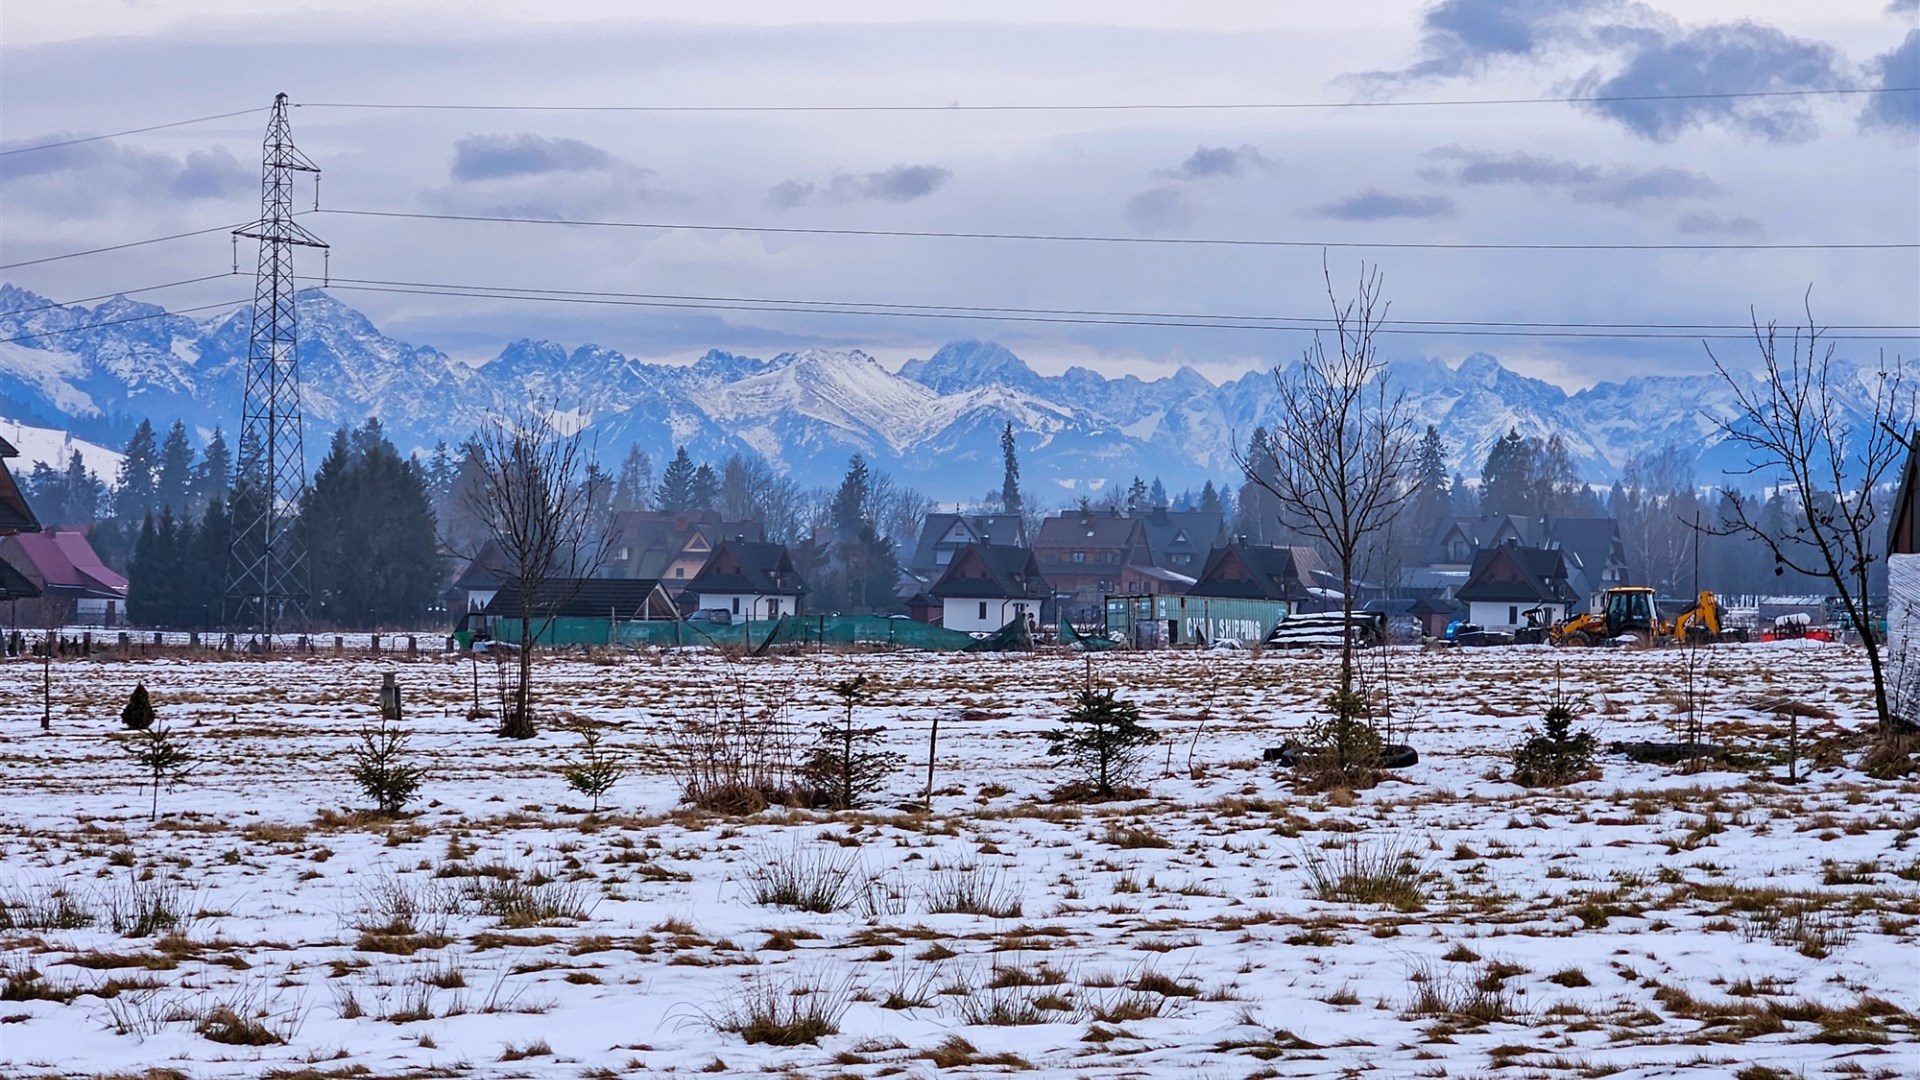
[1204, 241]
[118, 322]
[1117, 107]
[119, 247]
[129, 131]
[1145, 319]
[1320, 321]
[11, 312]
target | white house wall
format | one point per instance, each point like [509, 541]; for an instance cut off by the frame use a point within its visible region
[964, 614]
[744, 605]
[1903, 634]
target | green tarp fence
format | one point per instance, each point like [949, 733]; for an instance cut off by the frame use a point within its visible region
[761, 635]
[1089, 642]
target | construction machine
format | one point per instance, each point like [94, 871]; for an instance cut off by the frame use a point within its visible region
[1630, 611]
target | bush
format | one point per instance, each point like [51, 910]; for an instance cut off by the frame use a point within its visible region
[595, 771]
[1103, 740]
[843, 767]
[973, 890]
[138, 713]
[1343, 751]
[733, 757]
[381, 768]
[1557, 754]
[161, 758]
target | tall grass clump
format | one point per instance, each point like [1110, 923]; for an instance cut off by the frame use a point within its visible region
[1388, 873]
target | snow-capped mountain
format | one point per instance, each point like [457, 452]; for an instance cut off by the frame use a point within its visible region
[935, 423]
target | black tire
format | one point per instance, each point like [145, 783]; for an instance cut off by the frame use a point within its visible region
[1577, 639]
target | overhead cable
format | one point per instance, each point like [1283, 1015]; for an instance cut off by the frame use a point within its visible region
[31, 147]
[1171, 106]
[1216, 241]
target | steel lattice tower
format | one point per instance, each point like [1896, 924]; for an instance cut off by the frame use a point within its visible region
[266, 570]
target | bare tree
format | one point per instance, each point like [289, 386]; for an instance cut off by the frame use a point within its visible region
[1338, 461]
[537, 497]
[1833, 438]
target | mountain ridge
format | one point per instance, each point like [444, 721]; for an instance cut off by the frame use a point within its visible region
[934, 423]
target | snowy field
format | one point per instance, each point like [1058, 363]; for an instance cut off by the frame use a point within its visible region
[1647, 923]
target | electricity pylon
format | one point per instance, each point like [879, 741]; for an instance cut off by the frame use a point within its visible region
[267, 580]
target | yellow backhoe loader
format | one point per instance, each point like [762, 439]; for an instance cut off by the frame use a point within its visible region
[1629, 611]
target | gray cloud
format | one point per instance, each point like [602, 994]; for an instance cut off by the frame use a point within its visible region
[1614, 185]
[1461, 37]
[1895, 7]
[1708, 223]
[1659, 57]
[492, 157]
[1738, 57]
[81, 177]
[1211, 161]
[1158, 210]
[901, 183]
[1901, 67]
[1373, 205]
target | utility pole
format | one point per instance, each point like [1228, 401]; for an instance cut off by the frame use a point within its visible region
[266, 570]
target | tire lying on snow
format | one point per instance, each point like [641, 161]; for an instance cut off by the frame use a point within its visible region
[1392, 756]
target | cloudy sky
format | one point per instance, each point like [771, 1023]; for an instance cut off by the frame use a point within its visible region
[1781, 170]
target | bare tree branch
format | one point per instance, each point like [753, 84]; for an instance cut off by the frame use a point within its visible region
[1338, 461]
[1795, 425]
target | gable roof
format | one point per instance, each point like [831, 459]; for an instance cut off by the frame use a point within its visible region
[947, 529]
[15, 585]
[745, 566]
[594, 598]
[655, 538]
[992, 571]
[1259, 572]
[15, 515]
[1178, 532]
[489, 569]
[1903, 532]
[1513, 574]
[67, 565]
[1093, 529]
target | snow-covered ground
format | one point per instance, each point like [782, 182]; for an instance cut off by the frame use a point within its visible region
[1647, 923]
[38, 444]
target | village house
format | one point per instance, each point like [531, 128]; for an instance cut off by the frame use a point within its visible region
[1509, 580]
[74, 584]
[747, 580]
[942, 535]
[577, 611]
[1087, 554]
[1181, 540]
[987, 586]
[15, 517]
[671, 546]
[1258, 572]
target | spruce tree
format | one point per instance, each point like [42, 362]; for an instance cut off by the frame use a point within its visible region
[1508, 479]
[676, 484]
[1157, 493]
[215, 472]
[1210, 499]
[704, 491]
[135, 488]
[174, 482]
[1010, 498]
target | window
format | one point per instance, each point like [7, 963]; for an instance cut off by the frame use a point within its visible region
[736, 605]
[1019, 611]
[1513, 613]
[983, 609]
[1079, 556]
[773, 608]
[679, 571]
